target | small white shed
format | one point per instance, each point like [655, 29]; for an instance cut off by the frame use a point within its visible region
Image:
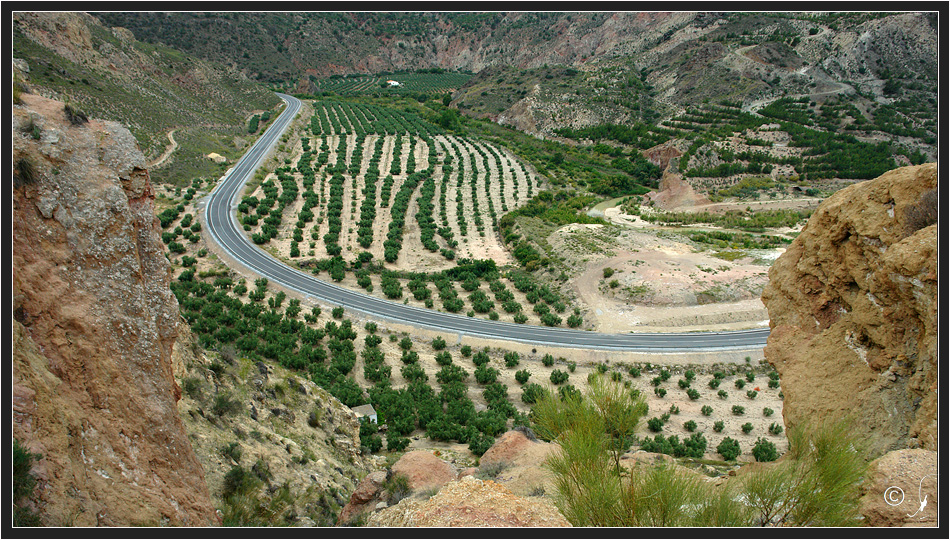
[365, 411]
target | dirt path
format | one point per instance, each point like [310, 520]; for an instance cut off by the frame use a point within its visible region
[168, 151]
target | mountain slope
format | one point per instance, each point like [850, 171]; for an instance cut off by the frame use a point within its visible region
[151, 89]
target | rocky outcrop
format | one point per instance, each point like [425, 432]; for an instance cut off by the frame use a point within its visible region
[519, 457]
[853, 309]
[471, 502]
[423, 472]
[676, 193]
[94, 326]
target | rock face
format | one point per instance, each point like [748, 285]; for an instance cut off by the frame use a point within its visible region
[853, 309]
[470, 502]
[95, 322]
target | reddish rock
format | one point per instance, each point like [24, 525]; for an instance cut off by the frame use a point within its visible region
[424, 470]
[364, 498]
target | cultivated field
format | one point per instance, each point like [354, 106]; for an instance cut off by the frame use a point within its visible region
[376, 200]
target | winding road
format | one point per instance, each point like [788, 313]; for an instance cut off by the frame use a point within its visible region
[224, 230]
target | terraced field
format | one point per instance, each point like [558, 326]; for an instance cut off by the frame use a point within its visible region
[390, 204]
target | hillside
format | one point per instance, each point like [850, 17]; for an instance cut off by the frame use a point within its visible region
[685, 57]
[151, 89]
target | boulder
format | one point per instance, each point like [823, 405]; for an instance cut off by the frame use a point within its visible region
[424, 470]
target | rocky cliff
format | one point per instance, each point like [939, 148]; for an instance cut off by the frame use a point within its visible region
[94, 325]
[853, 309]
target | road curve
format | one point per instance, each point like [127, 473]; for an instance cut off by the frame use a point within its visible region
[224, 229]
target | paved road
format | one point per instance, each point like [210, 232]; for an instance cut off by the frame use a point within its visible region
[223, 228]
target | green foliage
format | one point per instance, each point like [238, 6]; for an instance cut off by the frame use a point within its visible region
[729, 449]
[24, 173]
[764, 450]
[225, 405]
[75, 116]
[532, 392]
[559, 377]
[817, 484]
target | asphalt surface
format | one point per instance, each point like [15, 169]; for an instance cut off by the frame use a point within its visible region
[223, 229]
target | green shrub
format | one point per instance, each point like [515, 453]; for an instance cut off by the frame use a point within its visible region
[706, 410]
[559, 377]
[438, 343]
[522, 376]
[738, 410]
[718, 426]
[775, 428]
[232, 451]
[764, 450]
[689, 425]
[693, 394]
[225, 405]
[747, 428]
[24, 173]
[729, 449]
[397, 487]
[767, 412]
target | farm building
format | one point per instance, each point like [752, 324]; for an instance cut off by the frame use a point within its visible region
[365, 411]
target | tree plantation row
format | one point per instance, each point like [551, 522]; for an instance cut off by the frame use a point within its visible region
[389, 210]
